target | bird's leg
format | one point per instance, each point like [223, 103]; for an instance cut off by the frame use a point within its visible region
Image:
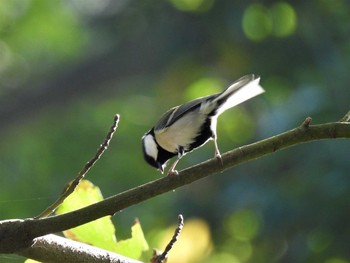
[217, 152]
[172, 170]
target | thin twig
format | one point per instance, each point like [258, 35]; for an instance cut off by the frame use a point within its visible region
[70, 189]
[306, 123]
[164, 255]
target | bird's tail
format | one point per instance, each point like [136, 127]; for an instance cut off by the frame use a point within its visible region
[241, 90]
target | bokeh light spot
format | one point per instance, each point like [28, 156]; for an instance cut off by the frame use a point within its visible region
[318, 241]
[244, 225]
[92, 7]
[192, 5]
[194, 245]
[284, 19]
[203, 87]
[10, 11]
[223, 257]
[279, 89]
[237, 125]
[243, 250]
[336, 260]
[257, 23]
[5, 56]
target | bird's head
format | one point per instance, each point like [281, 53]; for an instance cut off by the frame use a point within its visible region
[151, 151]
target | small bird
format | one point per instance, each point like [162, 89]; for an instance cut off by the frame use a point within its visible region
[189, 126]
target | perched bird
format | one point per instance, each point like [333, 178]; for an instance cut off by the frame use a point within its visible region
[189, 126]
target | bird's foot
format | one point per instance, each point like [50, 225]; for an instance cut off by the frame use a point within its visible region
[218, 157]
[173, 172]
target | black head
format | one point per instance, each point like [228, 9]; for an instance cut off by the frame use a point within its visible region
[153, 154]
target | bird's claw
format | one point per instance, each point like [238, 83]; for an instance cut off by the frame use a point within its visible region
[218, 156]
[173, 173]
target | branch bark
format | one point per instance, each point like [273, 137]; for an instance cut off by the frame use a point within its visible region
[52, 248]
[19, 234]
[230, 159]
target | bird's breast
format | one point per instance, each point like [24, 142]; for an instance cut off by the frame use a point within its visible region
[183, 132]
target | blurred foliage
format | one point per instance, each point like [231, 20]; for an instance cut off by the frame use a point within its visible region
[66, 67]
[194, 244]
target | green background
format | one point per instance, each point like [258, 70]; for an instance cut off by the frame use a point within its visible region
[66, 67]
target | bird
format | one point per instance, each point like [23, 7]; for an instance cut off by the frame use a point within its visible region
[189, 126]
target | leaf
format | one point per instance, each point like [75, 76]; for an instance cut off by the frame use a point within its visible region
[99, 233]
[134, 246]
[31, 261]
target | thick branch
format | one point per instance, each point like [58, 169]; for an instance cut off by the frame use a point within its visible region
[230, 159]
[27, 230]
[52, 248]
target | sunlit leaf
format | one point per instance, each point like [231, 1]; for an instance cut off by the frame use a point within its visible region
[31, 261]
[99, 233]
[134, 246]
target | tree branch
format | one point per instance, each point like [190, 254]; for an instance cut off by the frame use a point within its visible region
[52, 248]
[230, 159]
[19, 234]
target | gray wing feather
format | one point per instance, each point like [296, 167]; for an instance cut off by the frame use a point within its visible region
[176, 113]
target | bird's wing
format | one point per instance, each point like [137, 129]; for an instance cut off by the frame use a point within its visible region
[178, 112]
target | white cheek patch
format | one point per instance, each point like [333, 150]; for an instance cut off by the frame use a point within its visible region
[150, 146]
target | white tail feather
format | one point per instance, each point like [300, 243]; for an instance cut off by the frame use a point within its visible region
[240, 94]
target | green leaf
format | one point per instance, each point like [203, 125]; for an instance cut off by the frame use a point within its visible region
[134, 246]
[31, 261]
[99, 233]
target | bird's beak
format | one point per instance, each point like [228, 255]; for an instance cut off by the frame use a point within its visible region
[160, 168]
